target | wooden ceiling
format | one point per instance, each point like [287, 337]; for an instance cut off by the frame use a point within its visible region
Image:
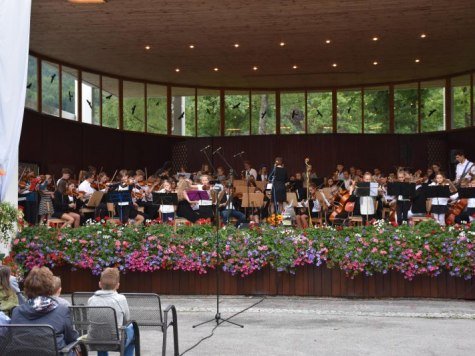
[111, 38]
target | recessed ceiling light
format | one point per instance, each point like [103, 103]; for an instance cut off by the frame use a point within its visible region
[191, 46]
[423, 35]
[147, 47]
[236, 45]
[375, 38]
[87, 1]
[334, 65]
[177, 70]
[417, 60]
[294, 67]
[375, 63]
[255, 68]
[215, 69]
[328, 41]
[282, 44]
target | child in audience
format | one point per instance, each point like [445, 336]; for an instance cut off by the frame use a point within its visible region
[107, 296]
[57, 292]
[8, 297]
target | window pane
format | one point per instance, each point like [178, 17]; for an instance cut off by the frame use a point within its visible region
[432, 106]
[319, 112]
[110, 102]
[292, 113]
[91, 98]
[183, 112]
[134, 105]
[31, 99]
[209, 123]
[69, 102]
[236, 119]
[263, 113]
[50, 88]
[376, 110]
[405, 108]
[461, 101]
[157, 109]
[349, 111]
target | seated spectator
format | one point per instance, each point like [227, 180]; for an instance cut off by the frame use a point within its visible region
[107, 296]
[57, 292]
[8, 297]
[40, 308]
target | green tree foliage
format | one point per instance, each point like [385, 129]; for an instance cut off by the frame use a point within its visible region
[349, 111]
[237, 119]
[209, 115]
[405, 110]
[376, 111]
[319, 112]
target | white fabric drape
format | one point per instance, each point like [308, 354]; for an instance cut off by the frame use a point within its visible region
[14, 43]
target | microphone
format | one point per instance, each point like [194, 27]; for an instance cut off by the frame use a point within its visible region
[205, 148]
[217, 150]
[239, 154]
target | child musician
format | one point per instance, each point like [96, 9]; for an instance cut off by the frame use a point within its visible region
[439, 204]
[403, 204]
[46, 198]
[126, 209]
[63, 206]
[366, 203]
[315, 203]
[167, 212]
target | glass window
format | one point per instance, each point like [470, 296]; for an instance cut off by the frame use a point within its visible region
[91, 102]
[349, 111]
[406, 108]
[110, 102]
[134, 106]
[209, 122]
[236, 114]
[292, 113]
[461, 101]
[432, 106]
[183, 111]
[50, 88]
[263, 113]
[319, 112]
[69, 90]
[157, 109]
[31, 98]
[376, 110]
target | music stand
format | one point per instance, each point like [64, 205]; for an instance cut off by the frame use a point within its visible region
[437, 191]
[120, 196]
[466, 193]
[406, 190]
[164, 198]
[196, 195]
[253, 200]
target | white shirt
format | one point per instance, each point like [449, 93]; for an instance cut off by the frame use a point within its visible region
[466, 167]
[442, 201]
[471, 203]
[166, 209]
[366, 205]
[251, 172]
[85, 187]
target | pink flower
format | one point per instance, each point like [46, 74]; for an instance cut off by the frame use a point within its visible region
[374, 250]
[16, 241]
[117, 244]
[427, 247]
[383, 252]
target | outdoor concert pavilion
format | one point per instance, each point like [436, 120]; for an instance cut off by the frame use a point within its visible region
[366, 83]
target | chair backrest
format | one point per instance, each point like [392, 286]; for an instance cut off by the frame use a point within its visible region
[111, 209]
[28, 340]
[100, 325]
[145, 308]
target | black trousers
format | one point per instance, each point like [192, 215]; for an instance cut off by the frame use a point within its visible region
[402, 208]
[30, 211]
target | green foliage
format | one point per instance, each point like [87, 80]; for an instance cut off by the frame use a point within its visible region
[9, 217]
[405, 110]
[209, 115]
[349, 111]
[319, 112]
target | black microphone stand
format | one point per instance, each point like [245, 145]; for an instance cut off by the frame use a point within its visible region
[219, 320]
[205, 152]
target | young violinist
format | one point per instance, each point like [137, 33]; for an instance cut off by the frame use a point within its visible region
[206, 206]
[65, 174]
[186, 208]
[263, 174]
[167, 211]
[46, 197]
[86, 187]
[126, 209]
[229, 206]
[27, 196]
[64, 207]
[316, 203]
[366, 203]
[439, 204]
[403, 204]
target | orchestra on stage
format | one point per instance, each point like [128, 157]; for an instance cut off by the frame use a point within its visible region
[345, 197]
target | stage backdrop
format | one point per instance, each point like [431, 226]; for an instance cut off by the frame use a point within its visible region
[53, 143]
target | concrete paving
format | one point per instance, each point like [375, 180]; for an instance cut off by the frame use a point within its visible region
[320, 326]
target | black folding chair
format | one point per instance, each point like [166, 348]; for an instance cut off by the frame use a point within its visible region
[98, 329]
[33, 340]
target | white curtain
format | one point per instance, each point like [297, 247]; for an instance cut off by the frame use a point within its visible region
[14, 41]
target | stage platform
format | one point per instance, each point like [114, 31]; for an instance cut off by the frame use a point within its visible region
[308, 280]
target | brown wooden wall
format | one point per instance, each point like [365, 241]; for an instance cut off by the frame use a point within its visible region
[307, 281]
[54, 143]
